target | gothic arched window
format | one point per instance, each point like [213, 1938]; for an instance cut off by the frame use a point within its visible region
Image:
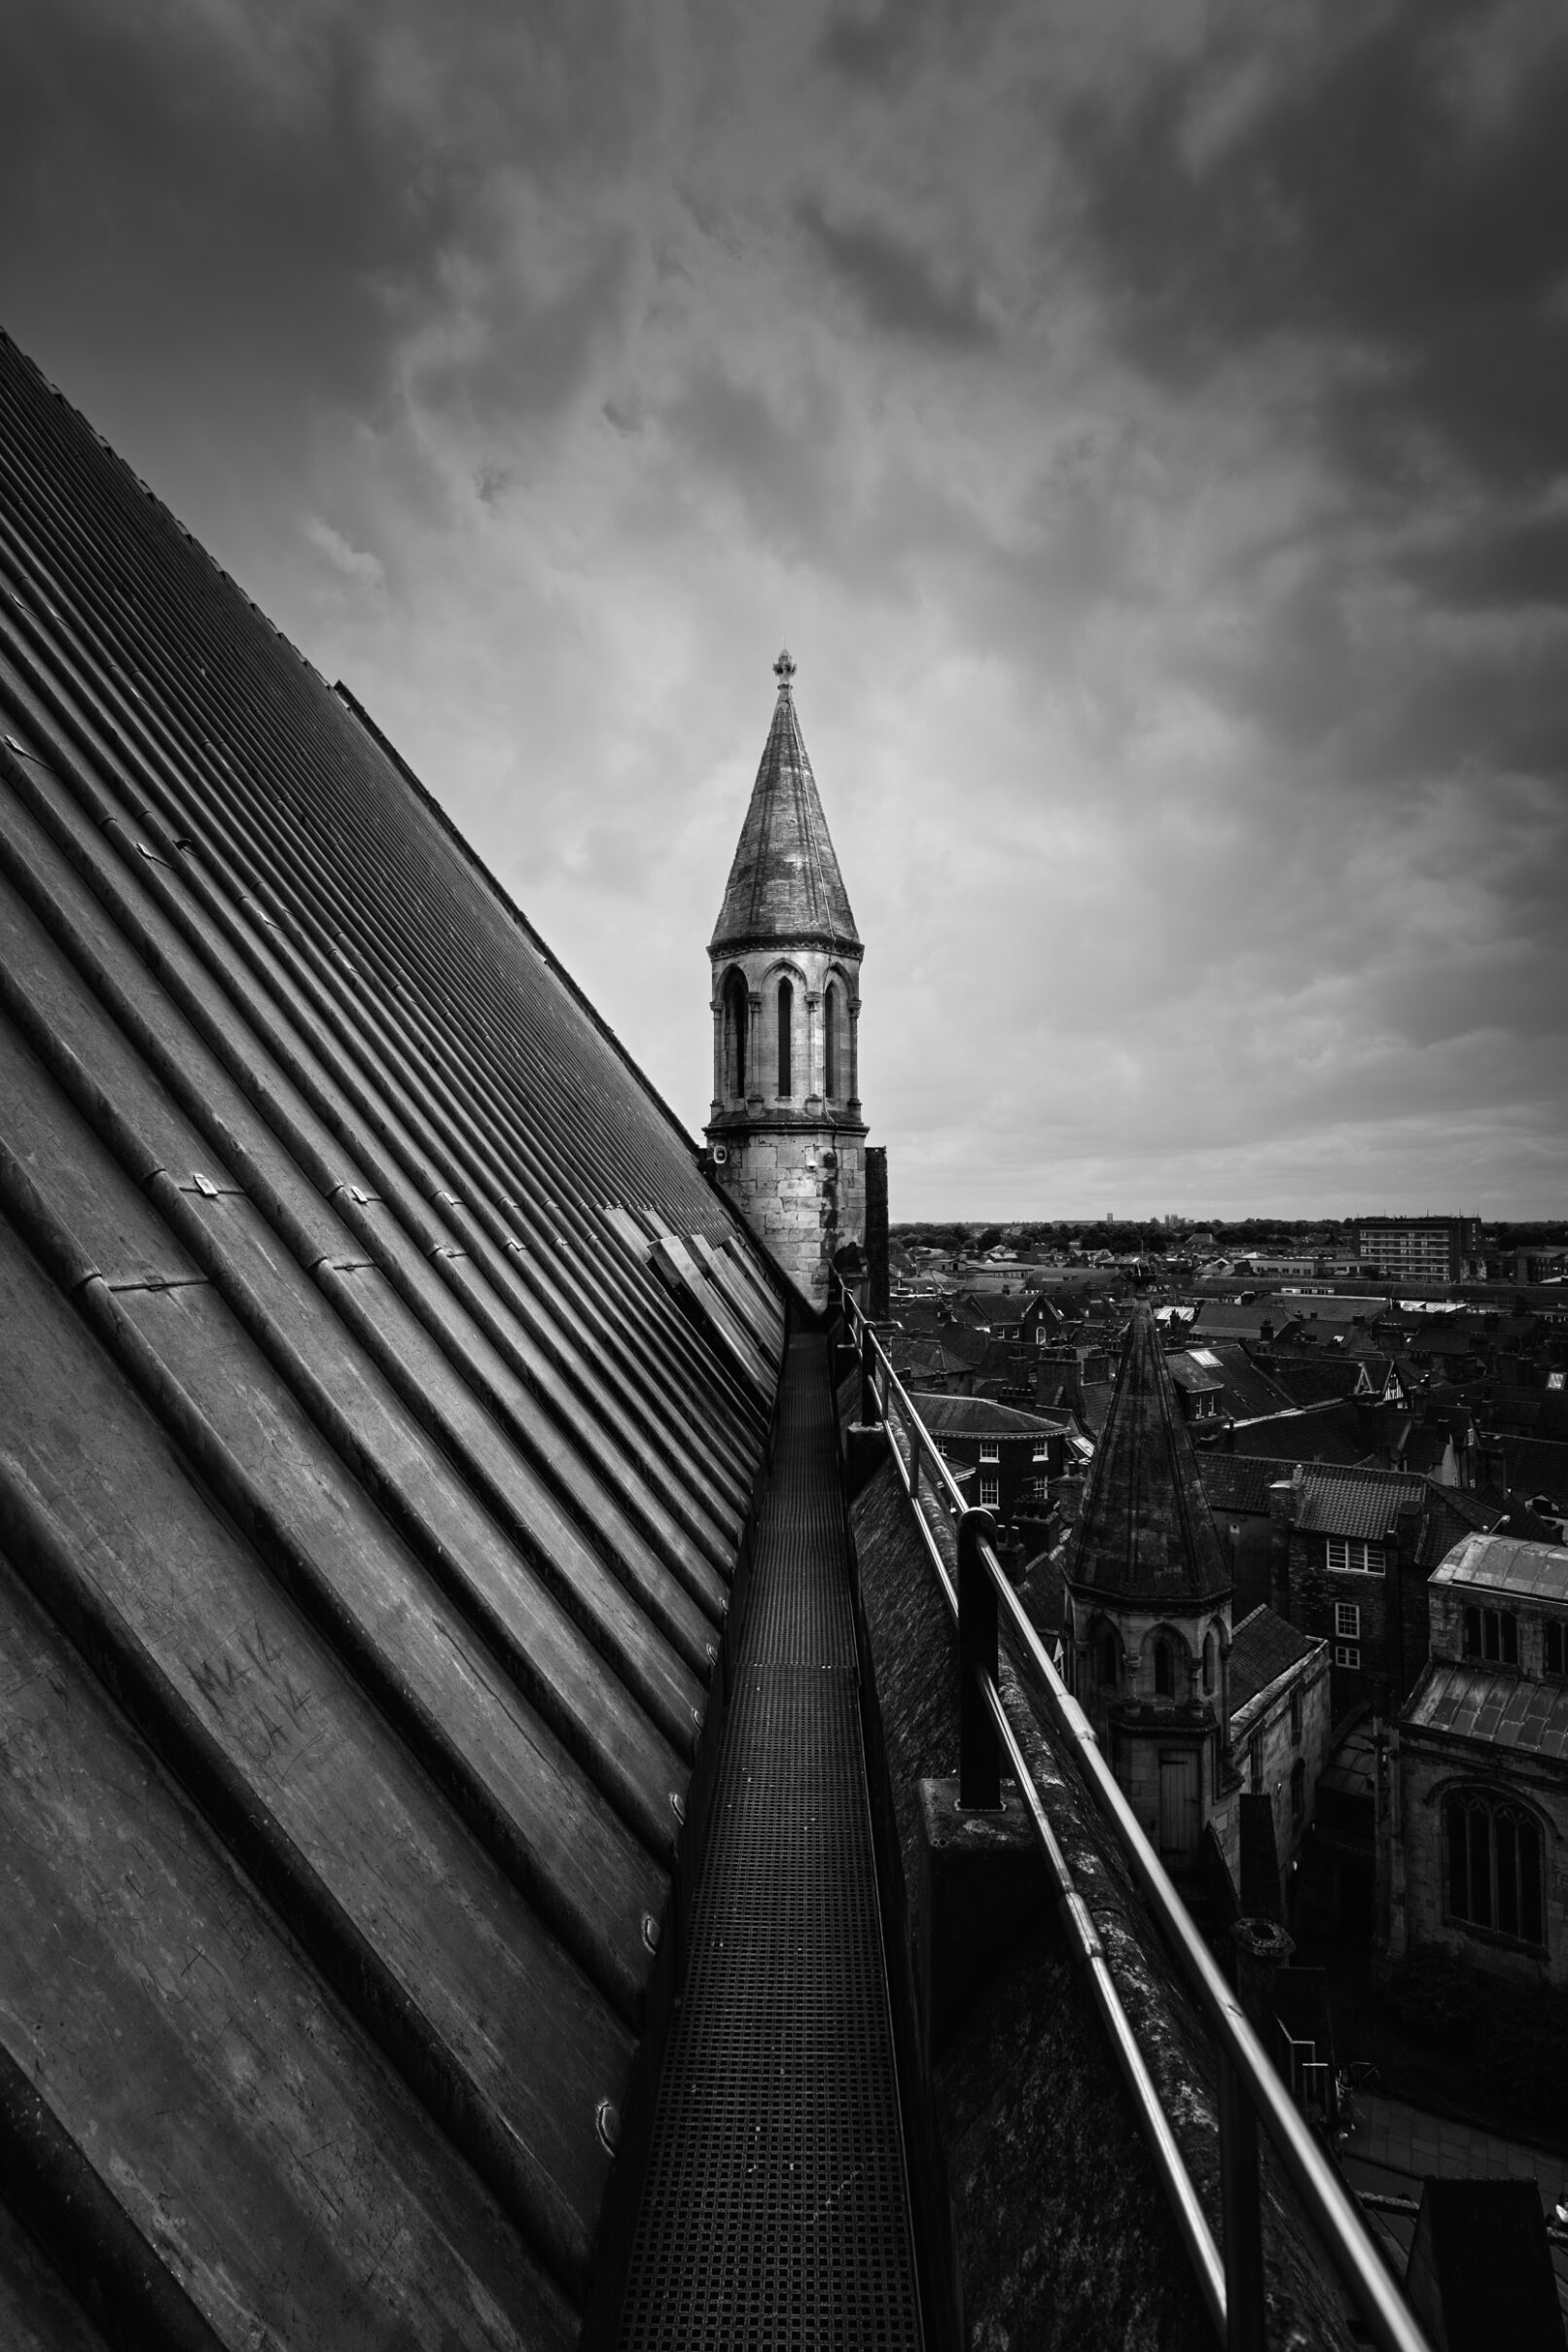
[737, 1013]
[786, 1022]
[1106, 1659]
[1494, 1866]
[1164, 1671]
[1208, 1662]
[830, 1040]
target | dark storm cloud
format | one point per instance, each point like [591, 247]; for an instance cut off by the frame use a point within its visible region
[783, 467]
[896, 287]
[1163, 493]
[1386, 189]
[875, 43]
[301, 191]
[1501, 562]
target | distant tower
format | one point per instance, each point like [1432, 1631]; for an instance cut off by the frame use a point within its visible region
[789, 1142]
[1149, 1598]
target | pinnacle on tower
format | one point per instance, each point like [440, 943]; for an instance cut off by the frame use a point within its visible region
[1145, 1531]
[785, 884]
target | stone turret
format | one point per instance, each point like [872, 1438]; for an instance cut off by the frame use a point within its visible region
[1149, 1594]
[788, 1140]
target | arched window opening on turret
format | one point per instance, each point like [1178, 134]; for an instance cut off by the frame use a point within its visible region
[1208, 1662]
[737, 1011]
[830, 1039]
[1164, 1671]
[786, 1023]
[1107, 1662]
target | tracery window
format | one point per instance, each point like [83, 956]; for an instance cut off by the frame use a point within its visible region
[1493, 1864]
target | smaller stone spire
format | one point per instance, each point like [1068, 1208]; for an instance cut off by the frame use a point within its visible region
[1145, 1532]
[784, 670]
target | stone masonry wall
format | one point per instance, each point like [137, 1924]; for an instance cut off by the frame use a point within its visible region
[802, 1193]
[1268, 1720]
[1425, 1774]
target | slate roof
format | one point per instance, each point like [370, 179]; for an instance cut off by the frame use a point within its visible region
[1451, 1514]
[1235, 1481]
[1470, 1701]
[977, 1417]
[785, 884]
[1144, 1529]
[1264, 1647]
[1538, 1466]
[1219, 1319]
[383, 1397]
[1315, 1432]
[1316, 1379]
[1250, 1388]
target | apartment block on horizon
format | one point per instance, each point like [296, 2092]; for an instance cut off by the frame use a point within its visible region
[1428, 1249]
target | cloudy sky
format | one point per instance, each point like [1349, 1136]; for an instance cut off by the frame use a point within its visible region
[1146, 424]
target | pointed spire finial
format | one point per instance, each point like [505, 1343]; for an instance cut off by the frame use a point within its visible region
[784, 670]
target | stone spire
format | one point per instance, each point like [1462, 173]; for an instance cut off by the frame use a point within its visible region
[1145, 1533]
[784, 886]
[787, 1135]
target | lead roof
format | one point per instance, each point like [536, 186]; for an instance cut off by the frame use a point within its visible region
[1506, 1563]
[382, 1395]
[1471, 1701]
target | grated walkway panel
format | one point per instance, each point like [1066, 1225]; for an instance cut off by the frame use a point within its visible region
[775, 2212]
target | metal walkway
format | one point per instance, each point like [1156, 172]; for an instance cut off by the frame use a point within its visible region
[775, 2211]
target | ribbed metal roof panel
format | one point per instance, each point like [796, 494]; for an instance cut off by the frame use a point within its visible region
[369, 1492]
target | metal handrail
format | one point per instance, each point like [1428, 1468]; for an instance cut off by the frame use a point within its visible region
[1250, 2089]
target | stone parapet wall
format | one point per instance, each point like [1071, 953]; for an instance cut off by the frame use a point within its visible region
[1041, 2217]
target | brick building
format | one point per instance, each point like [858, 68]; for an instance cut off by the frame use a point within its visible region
[1352, 1550]
[1477, 1828]
[1003, 1457]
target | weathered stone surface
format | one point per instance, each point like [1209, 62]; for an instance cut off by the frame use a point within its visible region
[1045, 2222]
